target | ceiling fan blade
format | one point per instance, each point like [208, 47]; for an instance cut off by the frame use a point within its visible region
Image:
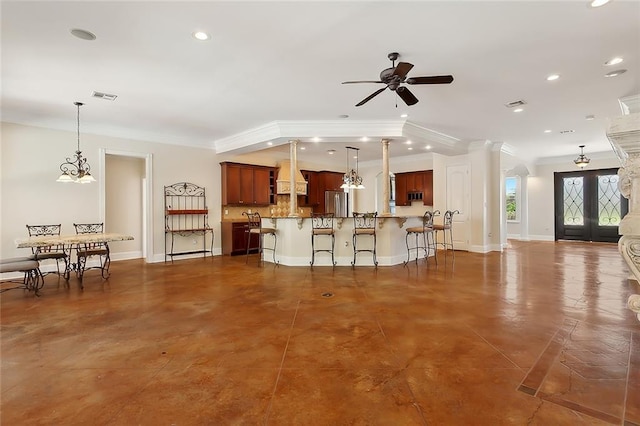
[406, 96]
[436, 79]
[371, 96]
[402, 69]
[362, 81]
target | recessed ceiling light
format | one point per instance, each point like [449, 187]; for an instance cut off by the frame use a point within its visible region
[615, 73]
[316, 139]
[404, 115]
[553, 77]
[201, 35]
[302, 148]
[410, 148]
[427, 147]
[590, 117]
[343, 116]
[518, 110]
[269, 143]
[331, 151]
[598, 3]
[408, 142]
[614, 61]
[83, 34]
[547, 131]
[364, 139]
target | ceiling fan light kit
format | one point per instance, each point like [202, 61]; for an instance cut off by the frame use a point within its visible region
[395, 76]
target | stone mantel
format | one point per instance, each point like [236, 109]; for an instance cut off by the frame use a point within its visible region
[624, 134]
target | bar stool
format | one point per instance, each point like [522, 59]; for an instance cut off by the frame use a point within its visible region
[364, 224]
[447, 232]
[255, 228]
[55, 252]
[322, 224]
[428, 241]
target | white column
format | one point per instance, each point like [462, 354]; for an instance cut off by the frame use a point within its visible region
[386, 190]
[624, 135]
[293, 166]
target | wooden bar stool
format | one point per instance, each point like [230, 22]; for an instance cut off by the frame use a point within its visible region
[255, 228]
[322, 224]
[364, 224]
[428, 241]
[447, 232]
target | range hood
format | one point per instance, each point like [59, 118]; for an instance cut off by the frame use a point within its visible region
[283, 182]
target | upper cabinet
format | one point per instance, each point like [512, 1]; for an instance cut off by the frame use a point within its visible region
[414, 186]
[311, 199]
[245, 184]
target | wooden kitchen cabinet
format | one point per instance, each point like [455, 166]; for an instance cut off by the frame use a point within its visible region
[245, 184]
[311, 199]
[401, 189]
[327, 181]
[427, 188]
[414, 186]
[234, 238]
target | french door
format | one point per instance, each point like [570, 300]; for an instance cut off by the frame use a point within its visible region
[588, 205]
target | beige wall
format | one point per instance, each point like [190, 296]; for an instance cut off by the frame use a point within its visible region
[31, 157]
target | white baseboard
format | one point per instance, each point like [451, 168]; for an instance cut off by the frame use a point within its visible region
[541, 238]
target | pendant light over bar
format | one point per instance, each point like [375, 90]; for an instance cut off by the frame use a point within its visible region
[351, 179]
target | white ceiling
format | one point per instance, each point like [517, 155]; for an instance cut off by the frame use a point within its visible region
[284, 62]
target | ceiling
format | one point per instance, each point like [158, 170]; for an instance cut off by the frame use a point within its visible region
[283, 62]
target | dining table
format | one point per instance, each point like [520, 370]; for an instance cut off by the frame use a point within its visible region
[68, 242]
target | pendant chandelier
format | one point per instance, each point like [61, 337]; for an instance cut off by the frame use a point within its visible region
[351, 179]
[77, 169]
[582, 160]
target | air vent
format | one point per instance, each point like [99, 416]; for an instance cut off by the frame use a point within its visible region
[105, 96]
[515, 104]
[562, 132]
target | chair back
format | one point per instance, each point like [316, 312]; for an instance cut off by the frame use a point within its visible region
[253, 220]
[427, 221]
[322, 223]
[41, 231]
[364, 222]
[448, 217]
[90, 228]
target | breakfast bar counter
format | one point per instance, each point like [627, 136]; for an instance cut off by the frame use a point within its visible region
[294, 241]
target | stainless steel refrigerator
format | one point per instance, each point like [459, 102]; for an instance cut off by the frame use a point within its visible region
[336, 202]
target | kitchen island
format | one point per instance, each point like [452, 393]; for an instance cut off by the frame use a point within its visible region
[294, 241]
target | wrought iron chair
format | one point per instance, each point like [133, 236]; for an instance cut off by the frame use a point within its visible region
[89, 249]
[255, 228]
[428, 240]
[56, 252]
[322, 224]
[447, 232]
[364, 224]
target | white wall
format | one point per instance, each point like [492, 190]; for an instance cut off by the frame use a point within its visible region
[541, 194]
[30, 159]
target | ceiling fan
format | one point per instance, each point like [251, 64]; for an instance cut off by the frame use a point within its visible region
[396, 75]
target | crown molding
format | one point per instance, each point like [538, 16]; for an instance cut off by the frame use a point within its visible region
[280, 132]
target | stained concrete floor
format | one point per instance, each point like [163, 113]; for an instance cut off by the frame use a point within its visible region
[538, 334]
